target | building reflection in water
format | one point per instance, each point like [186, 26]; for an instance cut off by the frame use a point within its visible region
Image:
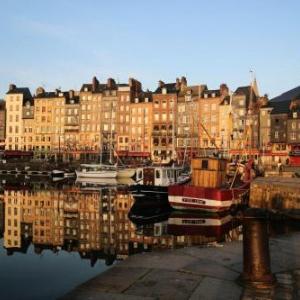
[94, 223]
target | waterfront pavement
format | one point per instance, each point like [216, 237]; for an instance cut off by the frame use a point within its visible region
[208, 273]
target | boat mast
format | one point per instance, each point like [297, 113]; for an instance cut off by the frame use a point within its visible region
[173, 132]
[111, 133]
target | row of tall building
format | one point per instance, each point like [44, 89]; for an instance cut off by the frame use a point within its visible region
[176, 120]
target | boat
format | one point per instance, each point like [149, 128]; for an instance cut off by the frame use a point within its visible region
[209, 190]
[125, 172]
[96, 171]
[153, 181]
[62, 174]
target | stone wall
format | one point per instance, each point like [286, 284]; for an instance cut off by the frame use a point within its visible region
[275, 193]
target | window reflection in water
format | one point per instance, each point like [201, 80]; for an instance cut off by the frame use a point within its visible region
[94, 223]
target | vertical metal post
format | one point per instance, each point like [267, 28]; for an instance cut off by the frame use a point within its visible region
[256, 254]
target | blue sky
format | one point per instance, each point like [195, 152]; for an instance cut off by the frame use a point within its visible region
[65, 43]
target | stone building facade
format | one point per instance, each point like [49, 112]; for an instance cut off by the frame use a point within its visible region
[2, 124]
[15, 98]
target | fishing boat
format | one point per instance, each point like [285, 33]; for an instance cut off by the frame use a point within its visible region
[153, 181]
[96, 171]
[210, 190]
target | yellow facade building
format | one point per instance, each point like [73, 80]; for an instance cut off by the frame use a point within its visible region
[15, 98]
[141, 111]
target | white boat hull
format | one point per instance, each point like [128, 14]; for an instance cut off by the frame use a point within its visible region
[96, 174]
[126, 173]
[97, 181]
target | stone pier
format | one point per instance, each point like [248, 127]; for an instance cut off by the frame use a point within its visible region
[196, 273]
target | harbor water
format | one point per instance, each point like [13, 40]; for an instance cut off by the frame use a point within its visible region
[54, 236]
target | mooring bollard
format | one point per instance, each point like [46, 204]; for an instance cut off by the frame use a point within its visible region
[256, 253]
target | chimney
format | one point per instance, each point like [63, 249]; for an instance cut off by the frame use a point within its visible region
[177, 84]
[11, 87]
[224, 91]
[160, 83]
[183, 81]
[111, 83]
[39, 91]
[71, 94]
[95, 84]
[183, 84]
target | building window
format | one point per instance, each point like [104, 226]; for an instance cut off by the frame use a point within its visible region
[276, 134]
[294, 114]
[293, 136]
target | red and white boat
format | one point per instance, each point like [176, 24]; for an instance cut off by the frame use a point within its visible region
[206, 199]
[208, 190]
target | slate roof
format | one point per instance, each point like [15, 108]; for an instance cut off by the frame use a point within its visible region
[143, 96]
[101, 87]
[171, 88]
[210, 92]
[89, 86]
[75, 99]
[47, 95]
[21, 90]
[243, 90]
[289, 95]
[281, 107]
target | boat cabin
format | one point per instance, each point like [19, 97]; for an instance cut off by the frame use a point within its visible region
[209, 172]
[158, 176]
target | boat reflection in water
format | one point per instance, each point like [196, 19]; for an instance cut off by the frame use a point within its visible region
[211, 227]
[92, 220]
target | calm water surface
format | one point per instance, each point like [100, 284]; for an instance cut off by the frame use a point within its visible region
[56, 236]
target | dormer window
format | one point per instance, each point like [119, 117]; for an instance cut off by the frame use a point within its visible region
[205, 95]
[213, 95]
[86, 89]
[146, 100]
[71, 101]
[164, 90]
[295, 115]
[60, 94]
[136, 100]
[27, 104]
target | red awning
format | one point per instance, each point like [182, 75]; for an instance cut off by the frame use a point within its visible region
[17, 153]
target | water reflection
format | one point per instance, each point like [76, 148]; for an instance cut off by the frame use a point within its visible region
[93, 221]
